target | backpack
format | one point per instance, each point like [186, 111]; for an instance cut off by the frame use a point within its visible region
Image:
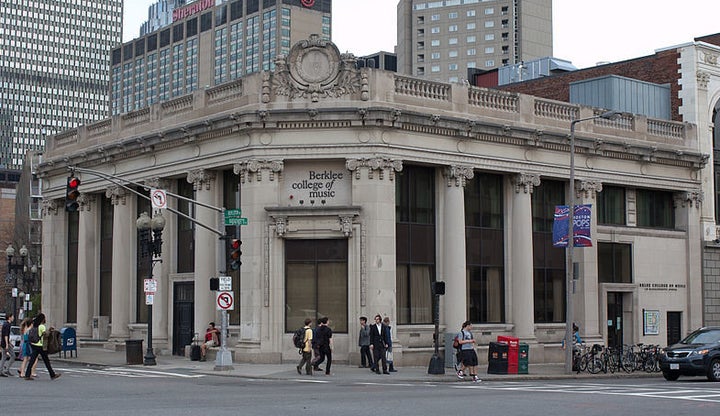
[33, 336]
[456, 342]
[299, 338]
[53, 343]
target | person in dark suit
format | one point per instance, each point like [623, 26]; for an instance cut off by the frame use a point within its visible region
[378, 344]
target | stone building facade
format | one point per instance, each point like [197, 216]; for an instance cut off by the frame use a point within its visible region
[361, 188]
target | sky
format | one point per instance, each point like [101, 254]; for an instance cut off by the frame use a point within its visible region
[584, 32]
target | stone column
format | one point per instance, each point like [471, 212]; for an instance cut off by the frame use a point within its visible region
[259, 182]
[206, 244]
[123, 261]
[54, 262]
[586, 305]
[688, 206]
[87, 268]
[521, 249]
[453, 243]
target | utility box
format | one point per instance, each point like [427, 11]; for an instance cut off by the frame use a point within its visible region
[101, 328]
[498, 358]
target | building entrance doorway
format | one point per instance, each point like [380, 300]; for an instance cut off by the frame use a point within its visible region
[183, 316]
[674, 327]
[615, 319]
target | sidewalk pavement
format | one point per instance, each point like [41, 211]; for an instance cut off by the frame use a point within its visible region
[97, 356]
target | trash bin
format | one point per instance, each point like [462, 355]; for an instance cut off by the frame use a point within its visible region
[512, 343]
[133, 351]
[497, 358]
[523, 358]
[69, 341]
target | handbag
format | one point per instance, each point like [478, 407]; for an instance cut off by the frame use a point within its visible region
[389, 356]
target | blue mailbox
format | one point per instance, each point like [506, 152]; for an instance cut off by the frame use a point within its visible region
[69, 341]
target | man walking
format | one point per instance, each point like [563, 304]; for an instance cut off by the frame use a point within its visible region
[324, 344]
[379, 344]
[6, 348]
[364, 344]
[306, 350]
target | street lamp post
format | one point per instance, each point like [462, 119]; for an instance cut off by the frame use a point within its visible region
[14, 270]
[570, 267]
[151, 247]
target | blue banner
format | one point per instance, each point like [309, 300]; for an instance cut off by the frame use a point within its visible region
[581, 226]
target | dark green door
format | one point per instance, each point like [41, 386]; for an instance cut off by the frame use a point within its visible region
[183, 316]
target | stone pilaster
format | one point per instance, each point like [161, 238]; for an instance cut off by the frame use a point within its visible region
[523, 305]
[87, 276]
[123, 264]
[54, 261]
[453, 243]
[688, 208]
[206, 243]
[586, 307]
[259, 188]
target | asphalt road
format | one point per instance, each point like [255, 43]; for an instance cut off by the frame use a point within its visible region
[141, 391]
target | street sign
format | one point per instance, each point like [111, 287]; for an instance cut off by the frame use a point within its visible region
[233, 213]
[225, 301]
[149, 299]
[158, 198]
[225, 283]
[150, 286]
[236, 221]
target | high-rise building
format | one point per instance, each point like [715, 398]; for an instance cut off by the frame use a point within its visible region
[207, 45]
[441, 40]
[160, 14]
[53, 69]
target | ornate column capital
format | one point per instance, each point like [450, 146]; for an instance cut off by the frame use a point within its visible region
[703, 79]
[117, 194]
[253, 169]
[458, 175]
[379, 164]
[49, 207]
[158, 183]
[525, 182]
[686, 199]
[86, 202]
[200, 178]
[587, 188]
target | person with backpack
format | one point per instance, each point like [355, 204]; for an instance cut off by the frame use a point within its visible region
[35, 337]
[467, 349]
[306, 350]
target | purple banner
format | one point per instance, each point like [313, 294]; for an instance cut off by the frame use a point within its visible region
[581, 226]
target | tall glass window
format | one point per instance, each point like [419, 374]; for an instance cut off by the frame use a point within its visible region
[72, 265]
[185, 229]
[316, 282]
[106, 249]
[611, 205]
[415, 245]
[236, 50]
[614, 263]
[485, 242]
[220, 55]
[655, 209]
[548, 261]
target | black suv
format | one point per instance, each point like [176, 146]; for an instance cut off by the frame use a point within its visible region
[696, 355]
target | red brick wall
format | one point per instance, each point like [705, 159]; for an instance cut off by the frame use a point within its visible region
[712, 39]
[661, 68]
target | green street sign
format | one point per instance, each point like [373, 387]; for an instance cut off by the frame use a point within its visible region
[236, 221]
[233, 213]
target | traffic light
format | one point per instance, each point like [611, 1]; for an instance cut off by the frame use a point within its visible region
[235, 254]
[72, 192]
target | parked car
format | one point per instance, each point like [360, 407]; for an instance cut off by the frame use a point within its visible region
[698, 354]
[15, 339]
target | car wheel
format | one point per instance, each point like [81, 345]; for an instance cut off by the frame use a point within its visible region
[714, 370]
[671, 375]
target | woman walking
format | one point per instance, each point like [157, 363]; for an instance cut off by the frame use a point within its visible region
[25, 349]
[37, 348]
[467, 349]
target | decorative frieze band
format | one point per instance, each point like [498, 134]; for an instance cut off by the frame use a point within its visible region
[117, 194]
[200, 178]
[250, 170]
[379, 164]
[587, 189]
[525, 182]
[458, 175]
[688, 199]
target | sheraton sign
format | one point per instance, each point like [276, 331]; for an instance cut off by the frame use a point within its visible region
[198, 6]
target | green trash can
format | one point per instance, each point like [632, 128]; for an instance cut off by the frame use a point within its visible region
[133, 351]
[523, 358]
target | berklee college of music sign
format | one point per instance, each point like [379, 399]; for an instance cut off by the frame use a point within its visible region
[317, 185]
